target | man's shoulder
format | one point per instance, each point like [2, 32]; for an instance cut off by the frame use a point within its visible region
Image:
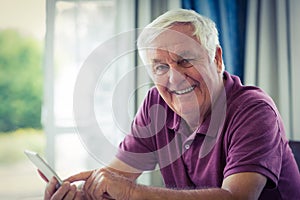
[241, 96]
[247, 96]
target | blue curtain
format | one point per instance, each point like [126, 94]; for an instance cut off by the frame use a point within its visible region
[230, 18]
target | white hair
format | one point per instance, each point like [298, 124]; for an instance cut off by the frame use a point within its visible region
[204, 29]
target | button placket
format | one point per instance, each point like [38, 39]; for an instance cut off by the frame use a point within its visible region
[186, 145]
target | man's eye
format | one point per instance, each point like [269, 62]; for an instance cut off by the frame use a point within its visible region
[185, 63]
[160, 69]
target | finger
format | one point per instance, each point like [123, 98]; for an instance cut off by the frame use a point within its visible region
[96, 190]
[71, 193]
[86, 195]
[92, 179]
[100, 185]
[42, 176]
[105, 195]
[82, 176]
[79, 195]
[84, 189]
[90, 184]
[50, 189]
[62, 191]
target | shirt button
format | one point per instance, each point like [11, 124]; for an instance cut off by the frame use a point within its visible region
[187, 146]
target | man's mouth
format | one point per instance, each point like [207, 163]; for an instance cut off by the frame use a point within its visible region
[184, 91]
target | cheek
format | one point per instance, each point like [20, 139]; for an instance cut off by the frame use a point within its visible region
[164, 93]
[206, 73]
[160, 82]
[162, 90]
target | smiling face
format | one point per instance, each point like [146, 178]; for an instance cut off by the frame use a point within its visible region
[183, 73]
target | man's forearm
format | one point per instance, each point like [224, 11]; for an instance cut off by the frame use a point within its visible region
[141, 192]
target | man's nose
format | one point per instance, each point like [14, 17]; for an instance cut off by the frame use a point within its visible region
[176, 76]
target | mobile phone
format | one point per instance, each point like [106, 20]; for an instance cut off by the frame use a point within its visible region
[48, 172]
[42, 165]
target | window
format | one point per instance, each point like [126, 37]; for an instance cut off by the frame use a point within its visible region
[75, 30]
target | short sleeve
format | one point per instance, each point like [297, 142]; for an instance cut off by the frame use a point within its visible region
[255, 142]
[138, 147]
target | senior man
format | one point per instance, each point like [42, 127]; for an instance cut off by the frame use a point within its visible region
[211, 136]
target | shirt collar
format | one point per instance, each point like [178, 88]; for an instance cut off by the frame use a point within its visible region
[177, 124]
[173, 120]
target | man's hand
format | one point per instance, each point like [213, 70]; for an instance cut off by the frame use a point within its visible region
[105, 184]
[66, 191]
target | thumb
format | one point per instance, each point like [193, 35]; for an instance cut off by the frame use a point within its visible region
[82, 176]
[42, 176]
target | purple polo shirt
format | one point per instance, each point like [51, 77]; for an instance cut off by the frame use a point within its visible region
[250, 138]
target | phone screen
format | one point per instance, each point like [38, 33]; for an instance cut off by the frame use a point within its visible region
[42, 165]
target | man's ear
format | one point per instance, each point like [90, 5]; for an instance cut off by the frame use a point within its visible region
[219, 59]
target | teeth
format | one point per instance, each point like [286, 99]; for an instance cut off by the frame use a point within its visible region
[187, 90]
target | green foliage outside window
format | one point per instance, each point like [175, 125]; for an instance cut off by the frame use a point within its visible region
[20, 81]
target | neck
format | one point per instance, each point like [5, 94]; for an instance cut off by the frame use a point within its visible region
[194, 121]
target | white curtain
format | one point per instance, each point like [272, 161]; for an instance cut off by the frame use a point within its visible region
[272, 59]
[75, 29]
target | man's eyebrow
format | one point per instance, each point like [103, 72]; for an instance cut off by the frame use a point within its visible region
[181, 54]
[155, 60]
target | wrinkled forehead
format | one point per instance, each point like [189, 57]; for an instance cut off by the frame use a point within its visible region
[177, 40]
[173, 37]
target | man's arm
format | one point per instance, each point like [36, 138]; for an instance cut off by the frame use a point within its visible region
[118, 181]
[242, 186]
[123, 169]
